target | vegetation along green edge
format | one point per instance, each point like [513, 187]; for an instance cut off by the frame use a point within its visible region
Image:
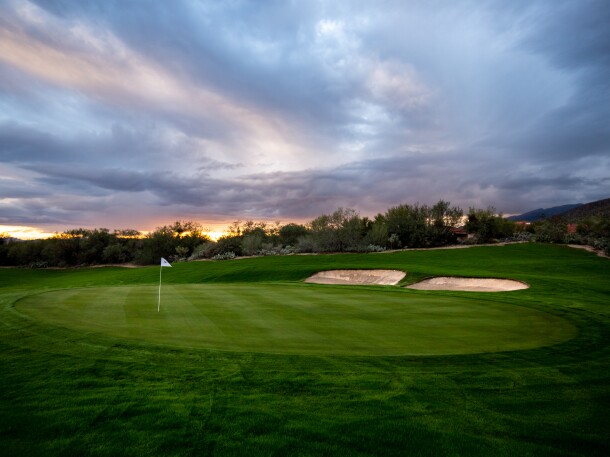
[70, 392]
[344, 230]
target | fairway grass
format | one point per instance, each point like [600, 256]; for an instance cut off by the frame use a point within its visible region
[245, 359]
[296, 319]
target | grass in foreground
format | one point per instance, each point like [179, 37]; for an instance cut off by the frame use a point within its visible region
[67, 389]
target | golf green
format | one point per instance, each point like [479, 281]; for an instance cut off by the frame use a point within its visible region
[300, 319]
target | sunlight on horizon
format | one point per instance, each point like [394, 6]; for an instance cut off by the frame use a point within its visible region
[215, 234]
[25, 233]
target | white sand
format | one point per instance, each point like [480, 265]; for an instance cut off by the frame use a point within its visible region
[469, 284]
[358, 277]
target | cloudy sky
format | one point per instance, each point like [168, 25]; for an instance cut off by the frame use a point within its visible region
[134, 114]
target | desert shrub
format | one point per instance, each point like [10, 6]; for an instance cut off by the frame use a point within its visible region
[115, 253]
[549, 232]
[394, 241]
[287, 250]
[522, 236]
[290, 233]
[228, 244]
[251, 244]
[267, 252]
[39, 264]
[269, 248]
[181, 252]
[602, 244]
[573, 238]
[518, 237]
[487, 226]
[470, 241]
[305, 244]
[203, 251]
[225, 256]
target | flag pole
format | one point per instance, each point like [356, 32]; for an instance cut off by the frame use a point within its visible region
[159, 303]
[164, 263]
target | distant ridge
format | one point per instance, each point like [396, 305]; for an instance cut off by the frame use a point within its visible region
[567, 213]
[599, 208]
[544, 213]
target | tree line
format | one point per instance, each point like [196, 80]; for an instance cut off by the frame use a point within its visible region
[344, 230]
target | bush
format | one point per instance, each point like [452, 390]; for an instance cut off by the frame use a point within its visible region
[251, 244]
[519, 236]
[603, 245]
[225, 256]
[470, 241]
[115, 253]
[573, 238]
[203, 251]
[288, 250]
[487, 226]
[305, 244]
[228, 244]
[181, 252]
[290, 234]
[550, 232]
[39, 264]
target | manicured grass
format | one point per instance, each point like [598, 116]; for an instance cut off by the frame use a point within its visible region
[300, 319]
[78, 378]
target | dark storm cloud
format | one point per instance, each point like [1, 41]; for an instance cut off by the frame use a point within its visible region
[309, 193]
[287, 194]
[574, 37]
[15, 189]
[19, 144]
[37, 211]
[22, 145]
[291, 109]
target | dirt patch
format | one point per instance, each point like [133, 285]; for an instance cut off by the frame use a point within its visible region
[357, 277]
[469, 284]
[588, 248]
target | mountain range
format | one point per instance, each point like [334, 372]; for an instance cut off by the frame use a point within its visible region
[568, 213]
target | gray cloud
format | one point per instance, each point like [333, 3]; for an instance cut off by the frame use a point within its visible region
[286, 110]
[573, 35]
[574, 38]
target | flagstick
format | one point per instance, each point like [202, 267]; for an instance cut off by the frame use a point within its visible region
[164, 263]
[159, 304]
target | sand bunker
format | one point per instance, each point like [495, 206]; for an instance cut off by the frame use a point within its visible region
[359, 277]
[469, 284]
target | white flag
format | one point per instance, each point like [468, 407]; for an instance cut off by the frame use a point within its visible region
[165, 263]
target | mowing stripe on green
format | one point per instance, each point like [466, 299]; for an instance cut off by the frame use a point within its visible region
[300, 319]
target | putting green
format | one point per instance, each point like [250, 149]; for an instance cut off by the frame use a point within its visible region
[300, 319]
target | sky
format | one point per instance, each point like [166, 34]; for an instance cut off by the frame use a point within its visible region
[133, 114]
